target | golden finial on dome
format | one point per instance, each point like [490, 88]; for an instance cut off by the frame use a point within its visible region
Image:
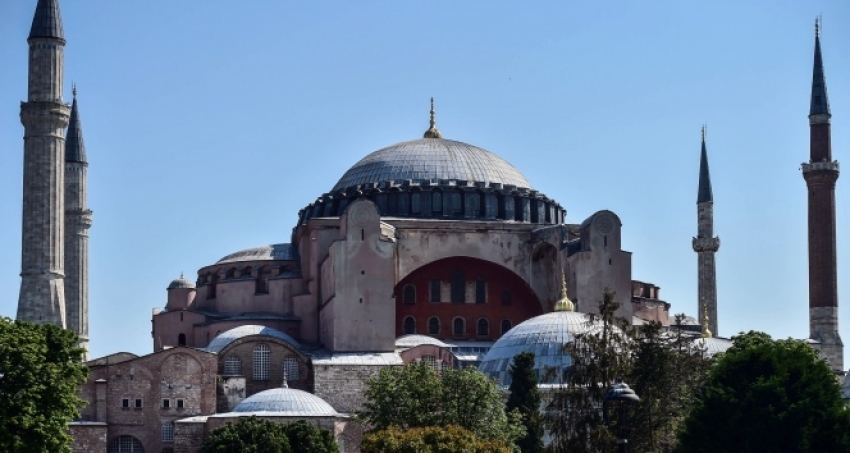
[564, 303]
[706, 333]
[432, 131]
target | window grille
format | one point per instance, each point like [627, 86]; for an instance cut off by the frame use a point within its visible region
[126, 444]
[459, 326]
[232, 366]
[409, 325]
[291, 372]
[483, 327]
[262, 357]
[430, 361]
[167, 432]
[433, 326]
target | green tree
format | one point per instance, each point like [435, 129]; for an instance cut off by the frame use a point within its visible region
[430, 439]
[40, 373]
[667, 372]
[525, 399]
[307, 438]
[257, 435]
[599, 358]
[768, 395]
[416, 395]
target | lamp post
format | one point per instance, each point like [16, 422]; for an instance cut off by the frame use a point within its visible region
[620, 397]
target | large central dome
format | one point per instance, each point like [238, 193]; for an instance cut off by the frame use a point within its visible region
[432, 159]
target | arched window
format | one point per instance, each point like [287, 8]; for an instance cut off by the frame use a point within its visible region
[457, 205]
[262, 283]
[409, 295]
[262, 356]
[409, 326]
[415, 203]
[291, 371]
[459, 326]
[483, 327]
[506, 326]
[232, 366]
[213, 280]
[437, 202]
[246, 273]
[431, 361]
[433, 326]
[181, 339]
[124, 444]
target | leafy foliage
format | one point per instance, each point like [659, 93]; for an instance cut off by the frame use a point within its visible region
[668, 371]
[525, 399]
[257, 435]
[430, 439]
[40, 371]
[600, 357]
[415, 396]
[768, 395]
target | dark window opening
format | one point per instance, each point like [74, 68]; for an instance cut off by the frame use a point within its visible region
[435, 291]
[409, 327]
[459, 327]
[483, 327]
[458, 295]
[409, 295]
[125, 402]
[415, 203]
[457, 205]
[180, 403]
[436, 202]
[433, 326]
[138, 402]
[480, 292]
[166, 403]
[506, 297]
[506, 326]
[181, 340]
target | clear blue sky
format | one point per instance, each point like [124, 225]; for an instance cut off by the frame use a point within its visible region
[209, 124]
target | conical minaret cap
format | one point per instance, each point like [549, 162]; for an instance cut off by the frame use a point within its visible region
[564, 303]
[820, 101]
[704, 194]
[47, 22]
[75, 147]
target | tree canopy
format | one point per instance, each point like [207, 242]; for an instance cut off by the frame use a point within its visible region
[40, 371]
[768, 395]
[415, 396]
[430, 439]
[525, 399]
[257, 435]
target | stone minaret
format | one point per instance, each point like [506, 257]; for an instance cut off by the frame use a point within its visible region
[44, 116]
[706, 244]
[820, 174]
[78, 220]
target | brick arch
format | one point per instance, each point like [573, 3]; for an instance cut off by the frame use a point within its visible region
[243, 349]
[524, 304]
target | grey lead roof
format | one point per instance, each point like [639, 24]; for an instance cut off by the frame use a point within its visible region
[820, 102]
[287, 402]
[224, 339]
[704, 193]
[264, 253]
[432, 159]
[47, 22]
[75, 147]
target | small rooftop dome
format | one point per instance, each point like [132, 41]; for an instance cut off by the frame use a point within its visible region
[545, 336]
[181, 283]
[713, 345]
[413, 340]
[224, 339]
[287, 402]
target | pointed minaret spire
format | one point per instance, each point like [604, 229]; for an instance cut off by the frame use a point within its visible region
[706, 245]
[821, 173]
[704, 194]
[75, 147]
[820, 102]
[433, 132]
[47, 22]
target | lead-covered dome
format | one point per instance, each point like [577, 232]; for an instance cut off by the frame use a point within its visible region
[287, 402]
[432, 159]
[545, 336]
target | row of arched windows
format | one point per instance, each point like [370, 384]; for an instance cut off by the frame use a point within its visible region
[434, 327]
[457, 291]
[261, 367]
[261, 281]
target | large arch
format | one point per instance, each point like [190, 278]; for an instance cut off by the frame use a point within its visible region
[506, 296]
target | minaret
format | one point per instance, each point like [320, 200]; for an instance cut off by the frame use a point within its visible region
[44, 116]
[706, 244]
[78, 219]
[820, 174]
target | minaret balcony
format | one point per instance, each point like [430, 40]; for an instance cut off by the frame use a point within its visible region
[706, 244]
[820, 166]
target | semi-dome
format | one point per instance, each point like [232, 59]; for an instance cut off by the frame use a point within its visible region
[224, 339]
[287, 402]
[545, 336]
[432, 159]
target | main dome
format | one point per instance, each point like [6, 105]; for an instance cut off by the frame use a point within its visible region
[432, 159]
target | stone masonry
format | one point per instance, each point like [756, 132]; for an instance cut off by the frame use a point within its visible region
[706, 244]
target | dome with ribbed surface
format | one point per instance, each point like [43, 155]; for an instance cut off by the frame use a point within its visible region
[432, 159]
[713, 345]
[224, 339]
[545, 336]
[181, 283]
[287, 402]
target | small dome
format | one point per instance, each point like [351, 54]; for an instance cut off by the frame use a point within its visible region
[413, 340]
[181, 283]
[264, 253]
[287, 402]
[432, 158]
[713, 345]
[545, 336]
[224, 339]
